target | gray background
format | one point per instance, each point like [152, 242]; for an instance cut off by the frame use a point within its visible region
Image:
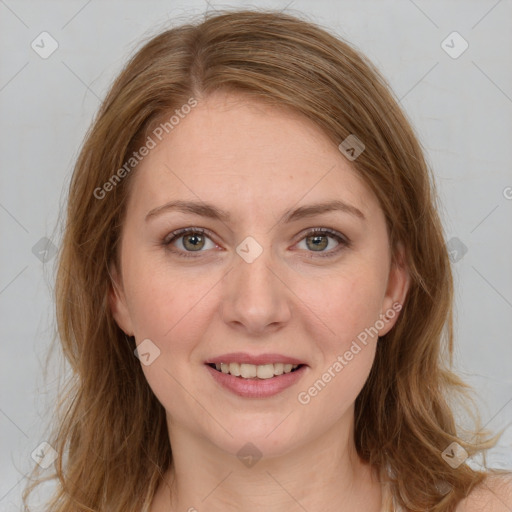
[461, 108]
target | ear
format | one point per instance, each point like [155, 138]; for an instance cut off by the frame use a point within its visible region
[117, 302]
[396, 292]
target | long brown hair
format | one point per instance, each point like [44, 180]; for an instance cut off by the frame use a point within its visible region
[110, 431]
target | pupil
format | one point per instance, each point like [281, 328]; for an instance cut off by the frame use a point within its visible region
[196, 241]
[319, 241]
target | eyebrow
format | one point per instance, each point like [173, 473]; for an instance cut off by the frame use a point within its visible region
[212, 212]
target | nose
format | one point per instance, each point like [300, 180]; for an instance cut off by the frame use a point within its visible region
[256, 298]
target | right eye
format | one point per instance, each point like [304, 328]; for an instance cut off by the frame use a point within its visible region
[188, 240]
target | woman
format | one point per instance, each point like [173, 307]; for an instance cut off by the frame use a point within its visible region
[254, 292]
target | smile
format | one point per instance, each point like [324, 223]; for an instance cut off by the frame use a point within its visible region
[252, 371]
[256, 381]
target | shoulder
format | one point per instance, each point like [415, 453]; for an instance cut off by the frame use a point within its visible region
[494, 494]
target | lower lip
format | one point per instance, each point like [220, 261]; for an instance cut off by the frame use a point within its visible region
[256, 388]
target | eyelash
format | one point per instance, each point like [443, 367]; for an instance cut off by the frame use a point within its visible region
[343, 241]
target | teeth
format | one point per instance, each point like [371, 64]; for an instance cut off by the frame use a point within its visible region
[234, 369]
[278, 368]
[250, 371]
[247, 371]
[265, 371]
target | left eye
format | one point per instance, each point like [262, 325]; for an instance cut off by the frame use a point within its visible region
[190, 240]
[318, 240]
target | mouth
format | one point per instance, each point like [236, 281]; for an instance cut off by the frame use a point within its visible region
[250, 380]
[255, 372]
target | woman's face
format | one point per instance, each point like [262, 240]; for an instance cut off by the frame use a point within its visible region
[251, 281]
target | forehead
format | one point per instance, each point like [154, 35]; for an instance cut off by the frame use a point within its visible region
[236, 151]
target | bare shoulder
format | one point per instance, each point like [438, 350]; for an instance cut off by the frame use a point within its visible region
[494, 494]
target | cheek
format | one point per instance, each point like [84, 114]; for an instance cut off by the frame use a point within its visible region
[159, 306]
[167, 306]
[348, 308]
[344, 304]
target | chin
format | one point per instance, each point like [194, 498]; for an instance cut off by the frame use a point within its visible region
[260, 438]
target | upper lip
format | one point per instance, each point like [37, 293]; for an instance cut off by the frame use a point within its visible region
[260, 359]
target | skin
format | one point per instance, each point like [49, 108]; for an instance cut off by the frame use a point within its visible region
[256, 163]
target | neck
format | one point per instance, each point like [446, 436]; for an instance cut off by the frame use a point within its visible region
[327, 474]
